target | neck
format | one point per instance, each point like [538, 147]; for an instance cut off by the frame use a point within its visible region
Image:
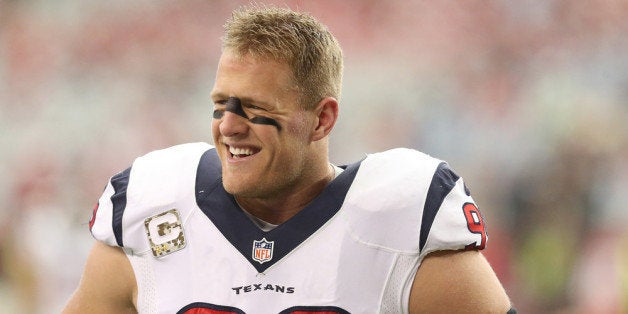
[279, 208]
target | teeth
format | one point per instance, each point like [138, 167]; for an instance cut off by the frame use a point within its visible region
[240, 151]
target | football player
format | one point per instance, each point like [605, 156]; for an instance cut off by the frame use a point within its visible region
[262, 222]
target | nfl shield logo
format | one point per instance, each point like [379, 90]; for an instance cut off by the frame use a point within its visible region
[262, 250]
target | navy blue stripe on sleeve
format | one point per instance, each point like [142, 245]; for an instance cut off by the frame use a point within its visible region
[443, 182]
[119, 182]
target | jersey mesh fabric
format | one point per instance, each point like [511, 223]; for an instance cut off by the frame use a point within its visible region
[398, 285]
[146, 297]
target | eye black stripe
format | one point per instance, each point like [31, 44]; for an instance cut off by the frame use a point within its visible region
[218, 114]
[234, 105]
[266, 120]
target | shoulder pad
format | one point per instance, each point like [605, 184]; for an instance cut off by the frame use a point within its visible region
[404, 200]
[156, 182]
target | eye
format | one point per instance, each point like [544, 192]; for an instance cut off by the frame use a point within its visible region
[254, 107]
[219, 102]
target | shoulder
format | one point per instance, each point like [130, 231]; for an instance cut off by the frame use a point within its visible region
[154, 183]
[396, 172]
[396, 175]
[419, 196]
[405, 156]
[173, 154]
[160, 166]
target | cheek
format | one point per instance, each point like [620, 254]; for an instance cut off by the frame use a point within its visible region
[215, 127]
[296, 140]
[299, 128]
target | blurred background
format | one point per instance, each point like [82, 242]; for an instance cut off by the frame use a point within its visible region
[527, 100]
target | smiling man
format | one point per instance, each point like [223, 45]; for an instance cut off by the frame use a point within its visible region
[273, 149]
[262, 222]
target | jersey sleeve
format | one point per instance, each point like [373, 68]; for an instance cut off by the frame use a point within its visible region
[404, 200]
[107, 215]
[450, 220]
[156, 183]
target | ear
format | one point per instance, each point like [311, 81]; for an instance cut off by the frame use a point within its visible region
[326, 113]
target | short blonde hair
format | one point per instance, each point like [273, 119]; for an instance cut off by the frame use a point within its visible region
[298, 39]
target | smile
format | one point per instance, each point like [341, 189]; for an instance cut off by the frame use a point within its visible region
[241, 152]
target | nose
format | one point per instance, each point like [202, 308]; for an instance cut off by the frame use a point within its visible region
[232, 124]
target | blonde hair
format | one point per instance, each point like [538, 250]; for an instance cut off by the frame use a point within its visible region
[298, 39]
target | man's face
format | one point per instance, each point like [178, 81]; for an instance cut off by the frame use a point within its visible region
[261, 134]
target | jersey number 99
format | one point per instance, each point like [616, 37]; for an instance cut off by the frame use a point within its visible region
[475, 223]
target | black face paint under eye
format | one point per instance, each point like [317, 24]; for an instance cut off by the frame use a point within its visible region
[235, 106]
[266, 120]
[218, 114]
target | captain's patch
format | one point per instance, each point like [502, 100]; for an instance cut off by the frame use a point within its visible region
[165, 233]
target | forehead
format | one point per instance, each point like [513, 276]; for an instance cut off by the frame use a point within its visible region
[246, 76]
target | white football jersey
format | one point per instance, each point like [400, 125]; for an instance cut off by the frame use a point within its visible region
[354, 249]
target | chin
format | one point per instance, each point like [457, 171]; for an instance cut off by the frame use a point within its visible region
[237, 189]
[229, 187]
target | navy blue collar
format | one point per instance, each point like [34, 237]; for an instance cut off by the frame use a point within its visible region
[222, 209]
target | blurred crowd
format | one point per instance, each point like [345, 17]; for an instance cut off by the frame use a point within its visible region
[525, 99]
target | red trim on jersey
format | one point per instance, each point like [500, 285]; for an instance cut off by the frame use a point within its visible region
[94, 211]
